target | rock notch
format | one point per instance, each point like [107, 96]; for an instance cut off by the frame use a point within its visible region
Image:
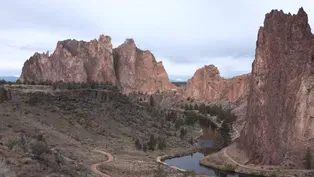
[207, 84]
[280, 111]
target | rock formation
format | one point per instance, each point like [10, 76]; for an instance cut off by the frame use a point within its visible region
[207, 84]
[138, 70]
[73, 61]
[280, 111]
[96, 61]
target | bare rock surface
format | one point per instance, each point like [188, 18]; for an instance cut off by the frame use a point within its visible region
[73, 61]
[96, 61]
[207, 84]
[138, 70]
[280, 124]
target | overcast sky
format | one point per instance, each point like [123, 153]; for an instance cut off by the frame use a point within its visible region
[184, 34]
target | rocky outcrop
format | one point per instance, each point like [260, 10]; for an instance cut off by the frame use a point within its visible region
[207, 84]
[138, 70]
[280, 109]
[78, 61]
[73, 61]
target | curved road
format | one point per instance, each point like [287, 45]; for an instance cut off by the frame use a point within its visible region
[94, 167]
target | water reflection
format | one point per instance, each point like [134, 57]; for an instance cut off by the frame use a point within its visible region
[205, 145]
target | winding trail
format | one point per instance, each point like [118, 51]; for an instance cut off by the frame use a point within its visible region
[94, 167]
[225, 153]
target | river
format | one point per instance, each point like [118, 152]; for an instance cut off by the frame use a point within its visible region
[191, 162]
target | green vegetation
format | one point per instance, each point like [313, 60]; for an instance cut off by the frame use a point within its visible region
[191, 141]
[179, 123]
[12, 143]
[196, 107]
[152, 143]
[189, 174]
[190, 117]
[138, 144]
[145, 148]
[151, 101]
[39, 148]
[162, 143]
[90, 85]
[223, 115]
[183, 132]
[179, 84]
[3, 95]
[160, 172]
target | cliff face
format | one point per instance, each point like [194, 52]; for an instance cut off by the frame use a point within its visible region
[138, 70]
[280, 111]
[96, 61]
[73, 61]
[207, 84]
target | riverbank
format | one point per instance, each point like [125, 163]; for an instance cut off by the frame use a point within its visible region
[234, 160]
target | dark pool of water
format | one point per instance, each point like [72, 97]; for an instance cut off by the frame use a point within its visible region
[192, 162]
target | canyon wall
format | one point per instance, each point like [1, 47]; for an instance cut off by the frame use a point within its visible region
[78, 61]
[207, 84]
[138, 70]
[280, 111]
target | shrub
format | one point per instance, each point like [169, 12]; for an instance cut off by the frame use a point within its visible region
[189, 174]
[152, 142]
[11, 143]
[196, 107]
[3, 95]
[162, 143]
[151, 101]
[190, 118]
[138, 144]
[145, 148]
[183, 132]
[178, 123]
[223, 139]
[39, 148]
[24, 142]
[191, 141]
[160, 172]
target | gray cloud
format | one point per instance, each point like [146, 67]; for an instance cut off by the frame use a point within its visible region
[184, 34]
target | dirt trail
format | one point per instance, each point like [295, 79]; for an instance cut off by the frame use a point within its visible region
[94, 166]
[225, 153]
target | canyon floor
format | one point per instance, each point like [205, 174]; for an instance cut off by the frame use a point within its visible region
[46, 132]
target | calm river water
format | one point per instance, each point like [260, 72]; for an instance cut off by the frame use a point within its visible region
[191, 162]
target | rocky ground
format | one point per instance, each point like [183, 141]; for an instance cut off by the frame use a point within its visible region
[46, 132]
[233, 159]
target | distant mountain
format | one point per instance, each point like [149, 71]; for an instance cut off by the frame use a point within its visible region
[9, 78]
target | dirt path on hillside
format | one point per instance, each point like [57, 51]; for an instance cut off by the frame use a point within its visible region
[225, 153]
[94, 167]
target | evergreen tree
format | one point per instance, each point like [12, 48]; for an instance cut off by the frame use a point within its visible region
[196, 107]
[138, 144]
[145, 148]
[152, 143]
[151, 101]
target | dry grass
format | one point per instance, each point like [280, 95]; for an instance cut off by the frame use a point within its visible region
[5, 171]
